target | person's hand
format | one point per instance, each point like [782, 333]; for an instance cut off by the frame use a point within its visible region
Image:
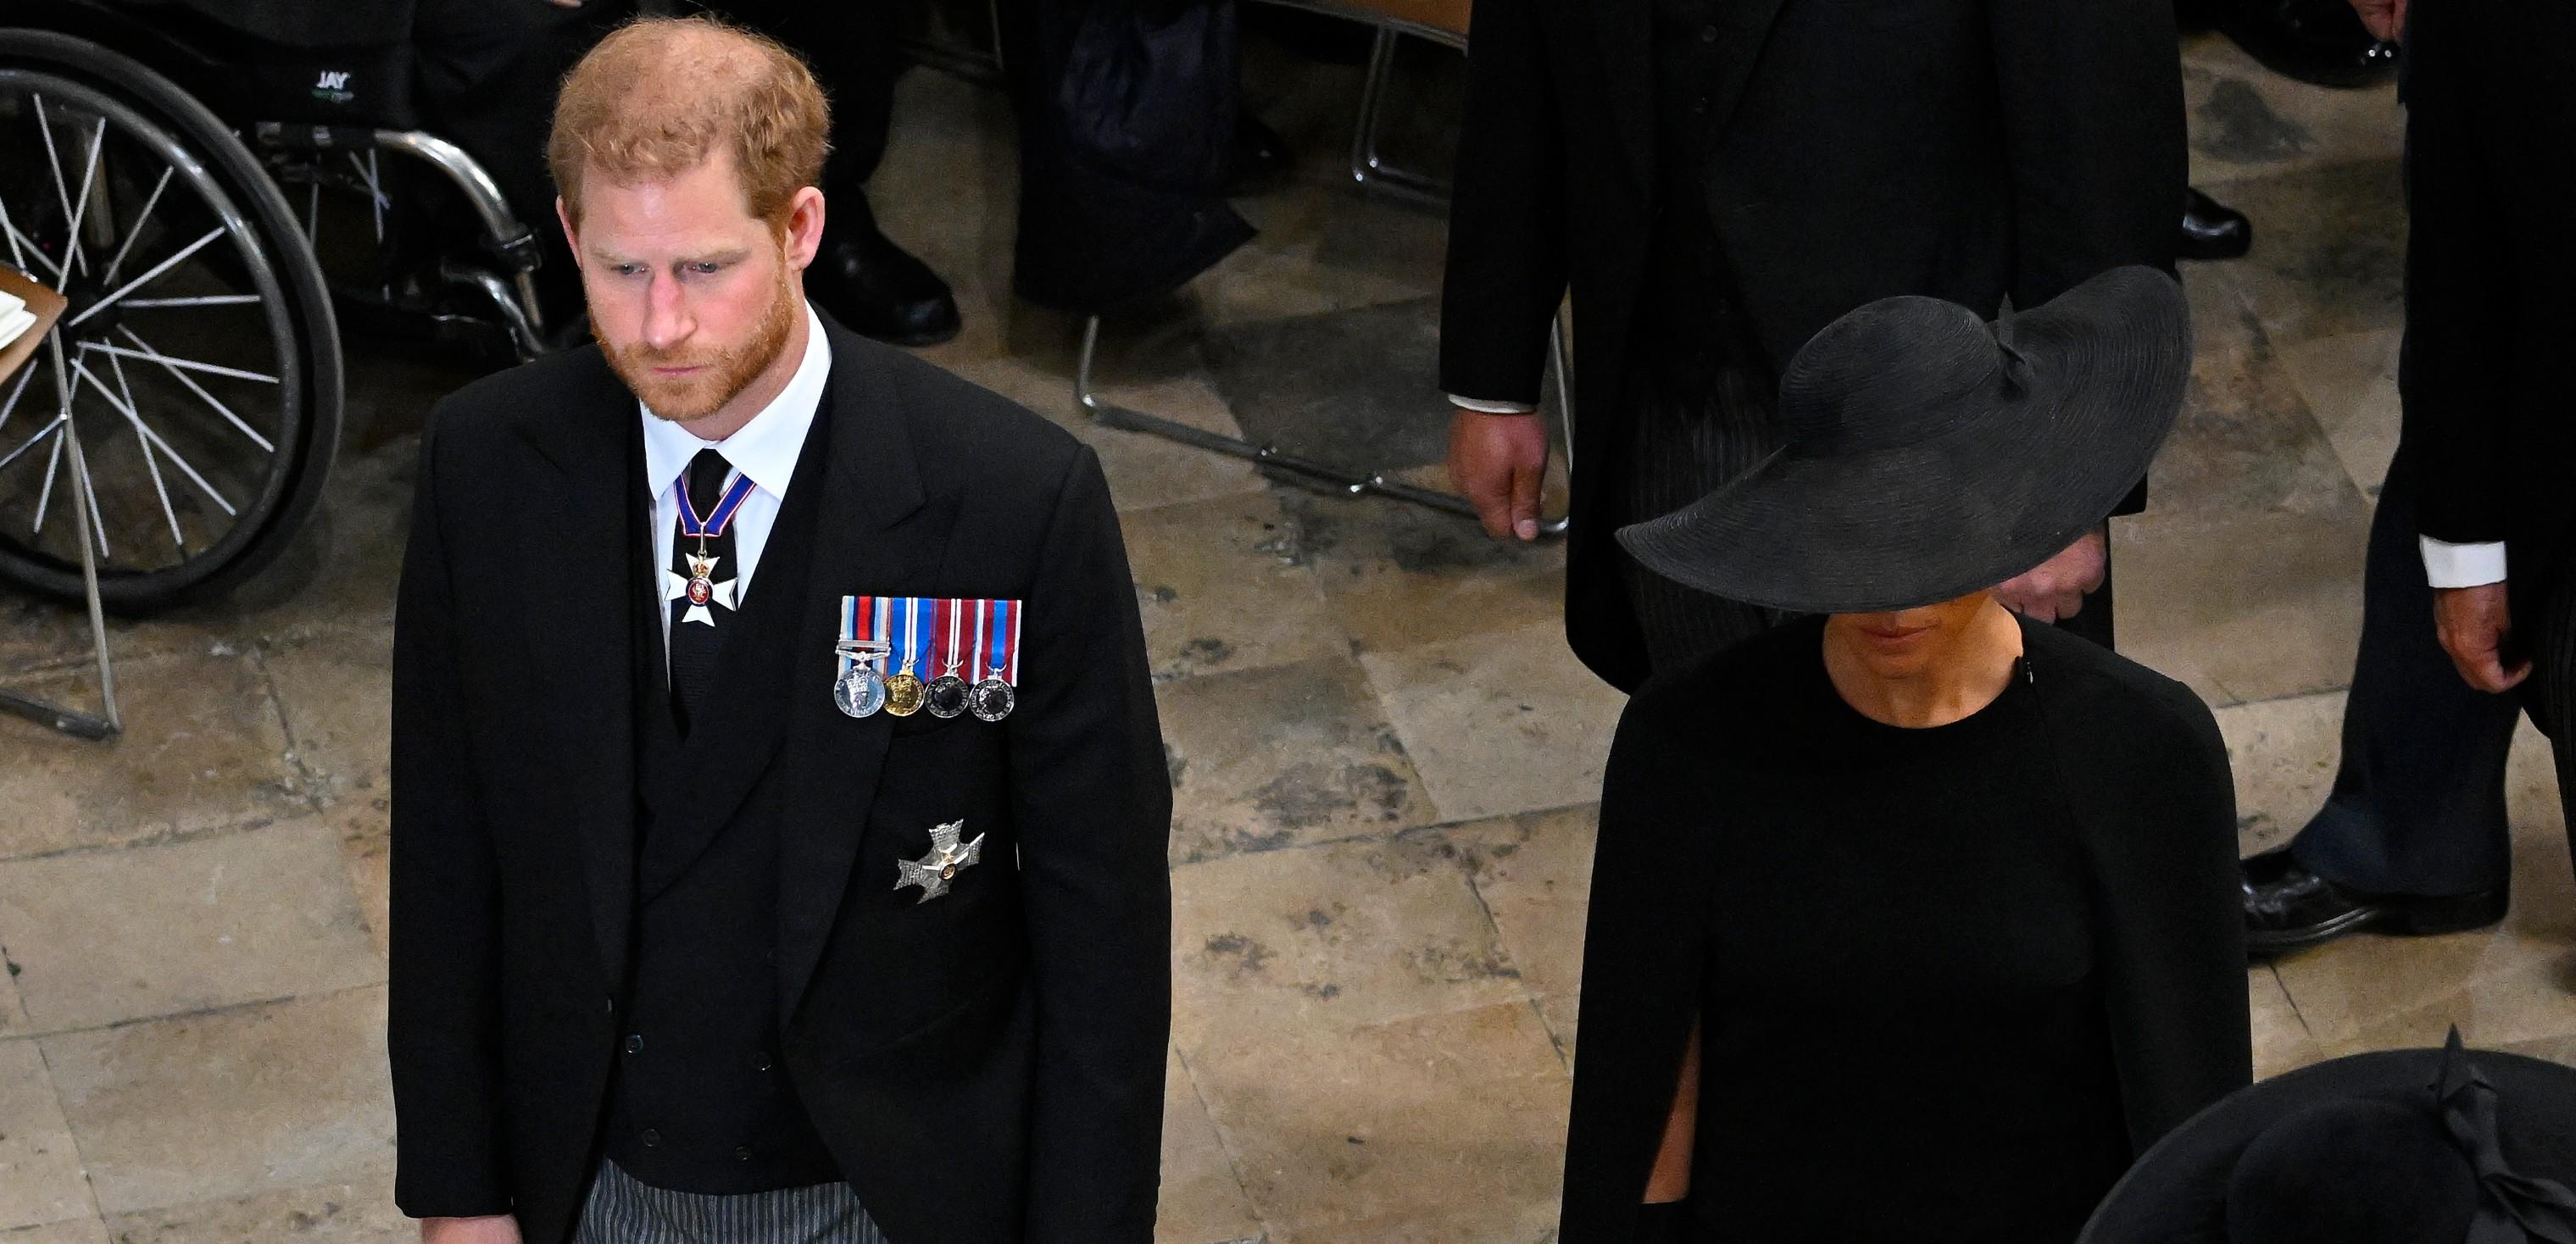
[496, 1229]
[1496, 461]
[2473, 623]
[2053, 591]
[2384, 19]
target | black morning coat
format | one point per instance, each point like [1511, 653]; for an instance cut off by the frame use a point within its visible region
[986, 1066]
[2490, 269]
[1964, 149]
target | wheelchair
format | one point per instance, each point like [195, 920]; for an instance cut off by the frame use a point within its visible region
[219, 186]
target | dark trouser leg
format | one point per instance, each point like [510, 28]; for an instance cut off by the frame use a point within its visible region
[2418, 804]
[488, 78]
[1692, 435]
[2554, 669]
[851, 49]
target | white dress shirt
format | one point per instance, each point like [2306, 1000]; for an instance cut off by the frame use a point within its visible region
[764, 449]
[2462, 565]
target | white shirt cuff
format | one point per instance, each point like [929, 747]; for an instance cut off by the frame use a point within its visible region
[2462, 565]
[1485, 406]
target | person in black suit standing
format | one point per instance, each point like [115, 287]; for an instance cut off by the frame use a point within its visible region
[780, 810]
[1715, 182]
[2470, 547]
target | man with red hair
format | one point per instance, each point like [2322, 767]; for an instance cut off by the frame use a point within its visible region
[780, 809]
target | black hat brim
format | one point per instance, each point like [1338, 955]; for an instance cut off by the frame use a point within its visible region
[1961, 512]
[2177, 1191]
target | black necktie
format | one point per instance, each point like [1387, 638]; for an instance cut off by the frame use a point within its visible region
[703, 584]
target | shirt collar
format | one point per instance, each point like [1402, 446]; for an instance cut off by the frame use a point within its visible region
[765, 448]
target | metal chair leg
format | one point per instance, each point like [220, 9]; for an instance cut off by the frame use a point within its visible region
[73, 721]
[1355, 482]
[1369, 169]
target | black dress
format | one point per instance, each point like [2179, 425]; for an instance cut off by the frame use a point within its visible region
[1953, 980]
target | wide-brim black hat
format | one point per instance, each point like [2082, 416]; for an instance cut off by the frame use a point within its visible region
[1929, 454]
[2521, 1113]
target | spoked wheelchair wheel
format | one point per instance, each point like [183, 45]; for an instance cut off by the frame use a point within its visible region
[197, 365]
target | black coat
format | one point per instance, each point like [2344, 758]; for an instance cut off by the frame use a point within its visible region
[984, 1067]
[2150, 821]
[2490, 261]
[1964, 149]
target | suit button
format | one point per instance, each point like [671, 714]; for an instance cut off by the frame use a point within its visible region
[650, 1138]
[1708, 34]
[635, 1044]
[742, 1155]
[612, 1006]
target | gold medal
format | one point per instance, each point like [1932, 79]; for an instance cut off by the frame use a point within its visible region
[903, 695]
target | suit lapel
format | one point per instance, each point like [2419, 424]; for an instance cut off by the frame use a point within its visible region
[1626, 28]
[876, 534]
[579, 635]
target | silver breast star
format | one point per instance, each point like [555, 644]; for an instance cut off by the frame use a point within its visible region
[948, 857]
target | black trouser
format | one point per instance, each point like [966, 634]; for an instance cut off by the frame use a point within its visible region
[2418, 804]
[851, 49]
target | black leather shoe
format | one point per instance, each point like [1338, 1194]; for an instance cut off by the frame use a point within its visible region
[875, 287]
[2211, 229]
[2287, 908]
[2321, 42]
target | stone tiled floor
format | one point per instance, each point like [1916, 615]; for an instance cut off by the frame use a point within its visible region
[1384, 758]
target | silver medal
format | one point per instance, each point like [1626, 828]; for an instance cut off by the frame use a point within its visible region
[861, 692]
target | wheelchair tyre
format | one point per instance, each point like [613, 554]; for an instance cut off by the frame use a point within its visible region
[210, 441]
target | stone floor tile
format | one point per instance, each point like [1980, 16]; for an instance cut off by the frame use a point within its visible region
[2281, 1038]
[104, 937]
[1353, 388]
[71, 1231]
[2284, 754]
[2350, 383]
[203, 748]
[340, 576]
[348, 1211]
[1534, 872]
[1501, 722]
[2246, 441]
[2378, 992]
[1144, 471]
[2247, 121]
[2259, 605]
[1444, 1127]
[1225, 584]
[368, 859]
[1202, 1201]
[1273, 757]
[1399, 575]
[2329, 251]
[43, 636]
[229, 1104]
[40, 1166]
[336, 691]
[1331, 937]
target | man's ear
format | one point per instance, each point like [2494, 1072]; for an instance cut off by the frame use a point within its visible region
[572, 236]
[804, 231]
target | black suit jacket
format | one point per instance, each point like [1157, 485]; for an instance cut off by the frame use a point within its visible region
[2490, 262]
[1964, 149]
[987, 1066]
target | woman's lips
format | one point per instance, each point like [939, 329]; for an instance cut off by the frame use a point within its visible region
[1894, 634]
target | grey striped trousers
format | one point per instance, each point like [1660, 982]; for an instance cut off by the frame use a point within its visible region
[1696, 429]
[623, 1211]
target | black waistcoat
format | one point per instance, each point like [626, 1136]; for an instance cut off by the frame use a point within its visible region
[700, 1102]
[1690, 321]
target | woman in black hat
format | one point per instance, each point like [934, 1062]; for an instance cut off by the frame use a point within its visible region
[1935, 927]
